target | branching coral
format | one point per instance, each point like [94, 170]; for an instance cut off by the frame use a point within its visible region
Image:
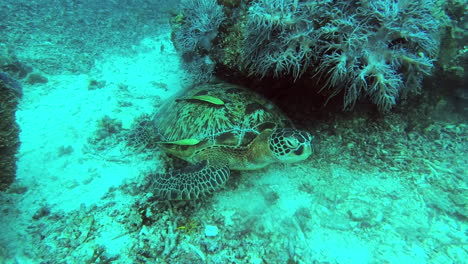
[377, 49]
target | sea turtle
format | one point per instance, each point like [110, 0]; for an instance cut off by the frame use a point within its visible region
[218, 128]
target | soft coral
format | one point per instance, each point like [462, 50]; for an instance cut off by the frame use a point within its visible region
[194, 35]
[376, 49]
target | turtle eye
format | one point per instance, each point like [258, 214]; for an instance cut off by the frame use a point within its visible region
[291, 142]
[303, 137]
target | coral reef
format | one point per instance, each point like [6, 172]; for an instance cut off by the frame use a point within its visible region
[376, 49]
[18, 70]
[379, 50]
[108, 132]
[11, 64]
[10, 92]
[194, 30]
[453, 58]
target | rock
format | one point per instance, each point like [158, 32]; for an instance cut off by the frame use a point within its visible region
[35, 78]
[211, 230]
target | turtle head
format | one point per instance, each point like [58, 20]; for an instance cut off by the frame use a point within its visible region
[290, 145]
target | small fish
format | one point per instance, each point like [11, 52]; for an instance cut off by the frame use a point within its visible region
[204, 98]
[182, 142]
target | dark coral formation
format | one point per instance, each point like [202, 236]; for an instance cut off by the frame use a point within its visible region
[10, 64]
[378, 50]
[10, 91]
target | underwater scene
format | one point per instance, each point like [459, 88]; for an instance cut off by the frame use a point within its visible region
[233, 131]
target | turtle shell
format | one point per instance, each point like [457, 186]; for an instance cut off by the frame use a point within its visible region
[216, 114]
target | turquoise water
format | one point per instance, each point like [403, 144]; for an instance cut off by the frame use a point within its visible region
[379, 85]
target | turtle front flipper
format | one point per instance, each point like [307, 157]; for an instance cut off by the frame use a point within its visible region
[188, 183]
